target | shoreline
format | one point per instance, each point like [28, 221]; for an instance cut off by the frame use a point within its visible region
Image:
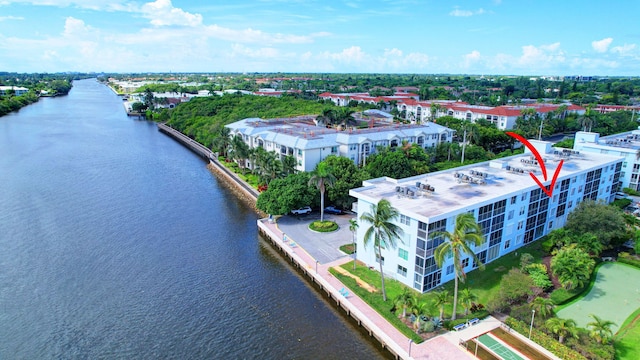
[391, 339]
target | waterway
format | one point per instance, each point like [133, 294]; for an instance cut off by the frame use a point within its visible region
[116, 242]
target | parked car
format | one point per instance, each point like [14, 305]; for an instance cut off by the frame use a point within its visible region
[301, 211]
[332, 210]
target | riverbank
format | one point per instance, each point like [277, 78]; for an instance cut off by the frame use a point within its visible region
[390, 338]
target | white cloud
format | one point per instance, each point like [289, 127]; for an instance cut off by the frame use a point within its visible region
[601, 45]
[466, 13]
[261, 53]
[625, 50]
[162, 13]
[543, 56]
[471, 58]
[4, 18]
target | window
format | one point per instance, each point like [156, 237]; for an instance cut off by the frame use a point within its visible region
[520, 223]
[522, 210]
[403, 254]
[465, 263]
[507, 244]
[402, 271]
[513, 200]
[378, 259]
[449, 269]
[510, 215]
[405, 220]
[334, 150]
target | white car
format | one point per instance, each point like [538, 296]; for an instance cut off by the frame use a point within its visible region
[302, 210]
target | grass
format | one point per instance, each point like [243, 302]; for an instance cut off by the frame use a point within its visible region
[483, 283]
[614, 296]
[348, 249]
[628, 337]
[323, 226]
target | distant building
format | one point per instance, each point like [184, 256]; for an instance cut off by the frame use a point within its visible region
[15, 90]
[626, 145]
[301, 138]
[508, 205]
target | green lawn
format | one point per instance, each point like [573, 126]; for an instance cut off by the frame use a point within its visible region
[615, 295]
[485, 283]
[628, 338]
[481, 282]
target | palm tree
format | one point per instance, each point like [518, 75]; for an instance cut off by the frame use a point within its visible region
[322, 177]
[420, 309]
[327, 117]
[344, 117]
[562, 328]
[435, 111]
[353, 227]
[383, 231]
[467, 298]
[222, 142]
[239, 151]
[588, 119]
[288, 165]
[600, 329]
[441, 300]
[405, 300]
[465, 233]
[542, 306]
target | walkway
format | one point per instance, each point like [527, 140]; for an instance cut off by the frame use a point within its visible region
[437, 348]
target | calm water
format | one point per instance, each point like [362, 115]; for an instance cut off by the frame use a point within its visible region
[116, 242]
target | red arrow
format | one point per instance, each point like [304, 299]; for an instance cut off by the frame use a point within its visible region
[548, 191]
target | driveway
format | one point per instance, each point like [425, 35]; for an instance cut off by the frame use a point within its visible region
[324, 247]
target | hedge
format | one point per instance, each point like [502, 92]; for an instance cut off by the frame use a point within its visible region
[626, 258]
[545, 340]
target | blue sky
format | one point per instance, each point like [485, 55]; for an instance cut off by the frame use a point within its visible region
[519, 37]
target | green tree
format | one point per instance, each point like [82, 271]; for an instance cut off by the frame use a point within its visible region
[348, 177]
[389, 163]
[382, 230]
[573, 266]
[543, 306]
[441, 300]
[467, 298]
[222, 142]
[322, 177]
[466, 233]
[604, 221]
[353, 227]
[562, 327]
[600, 330]
[286, 194]
[404, 300]
[239, 151]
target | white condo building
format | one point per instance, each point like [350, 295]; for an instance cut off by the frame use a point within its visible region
[310, 144]
[625, 144]
[509, 206]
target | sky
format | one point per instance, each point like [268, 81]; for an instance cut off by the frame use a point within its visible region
[477, 37]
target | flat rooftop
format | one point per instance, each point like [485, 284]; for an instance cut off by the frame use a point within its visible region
[466, 187]
[627, 140]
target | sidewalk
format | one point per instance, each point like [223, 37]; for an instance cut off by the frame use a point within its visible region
[441, 347]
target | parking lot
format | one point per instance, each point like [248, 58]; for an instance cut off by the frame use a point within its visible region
[324, 247]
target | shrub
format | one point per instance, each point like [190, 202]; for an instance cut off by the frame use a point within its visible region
[627, 258]
[559, 296]
[621, 203]
[630, 191]
[538, 273]
[547, 245]
[323, 226]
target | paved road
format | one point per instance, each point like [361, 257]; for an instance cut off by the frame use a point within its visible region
[324, 247]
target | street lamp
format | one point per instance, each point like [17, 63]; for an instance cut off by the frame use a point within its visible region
[316, 266]
[410, 342]
[533, 314]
